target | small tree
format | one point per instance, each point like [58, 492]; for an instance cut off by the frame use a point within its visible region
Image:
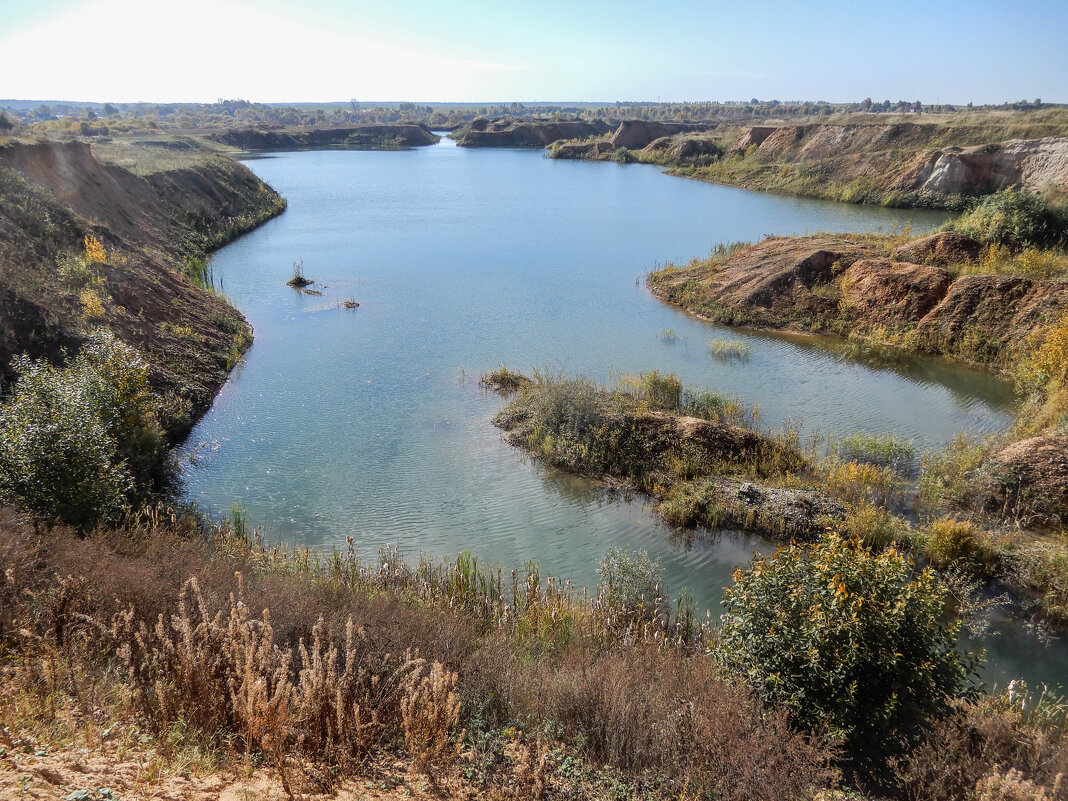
[853, 643]
[82, 443]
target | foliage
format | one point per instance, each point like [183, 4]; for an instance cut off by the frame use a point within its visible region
[853, 643]
[874, 525]
[1030, 262]
[94, 251]
[322, 700]
[728, 349]
[654, 389]
[299, 280]
[82, 443]
[1015, 218]
[1050, 356]
[631, 583]
[858, 481]
[882, 450]
[949, 478]
[1008, 745]
[504, 380]
[198, 269]
[951, 541]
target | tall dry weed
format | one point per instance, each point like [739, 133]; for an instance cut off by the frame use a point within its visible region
[430, 711]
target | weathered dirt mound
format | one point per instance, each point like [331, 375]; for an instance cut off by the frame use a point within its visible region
[768, 284]
[53, 195]
[637, 134]
[946, 247]
[1030, 480]
[525, 133]
[581, 150]
[983, 316]
[754, 136]
[175, 211]
[353, 136]
[881, 292]
[684, 148]
[839, 285]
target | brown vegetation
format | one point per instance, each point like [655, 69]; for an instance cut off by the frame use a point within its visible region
[161, 630]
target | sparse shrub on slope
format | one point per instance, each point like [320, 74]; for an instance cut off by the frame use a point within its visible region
[82, 443]
[1015, 218]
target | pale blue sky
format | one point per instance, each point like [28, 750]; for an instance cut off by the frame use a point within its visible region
[428, 50]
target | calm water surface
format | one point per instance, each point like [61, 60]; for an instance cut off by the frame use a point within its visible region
[370, 422]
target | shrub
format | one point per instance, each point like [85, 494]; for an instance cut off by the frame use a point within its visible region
[1015, 218]
[853, 643]
[655, 389]
[631, 584]
[858, 481]
[950, 540]
[881, 450]
[951, 478]
[504, 380]
[873, 525]
[82, 443]
[965, 754]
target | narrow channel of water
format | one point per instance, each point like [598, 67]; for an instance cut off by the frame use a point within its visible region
[370, 421]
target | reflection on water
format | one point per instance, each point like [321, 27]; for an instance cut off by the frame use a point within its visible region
[369, 422]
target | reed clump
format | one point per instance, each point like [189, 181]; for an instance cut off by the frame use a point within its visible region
[728, 349]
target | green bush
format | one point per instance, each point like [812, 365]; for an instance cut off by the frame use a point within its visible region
[1015, 218]
[631, 583]
[82, 443]
[952, 478]
[854, 643]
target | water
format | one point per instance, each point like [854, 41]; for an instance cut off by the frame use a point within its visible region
[370, 421]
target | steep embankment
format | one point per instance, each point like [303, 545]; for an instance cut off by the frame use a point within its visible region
[152, 229]
[902, 164]
[354, 137]
[481, 132]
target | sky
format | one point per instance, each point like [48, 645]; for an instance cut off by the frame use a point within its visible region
[935, 51]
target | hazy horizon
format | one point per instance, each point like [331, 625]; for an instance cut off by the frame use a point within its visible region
[269, 51]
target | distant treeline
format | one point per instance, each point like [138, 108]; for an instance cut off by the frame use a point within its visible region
[105, 118]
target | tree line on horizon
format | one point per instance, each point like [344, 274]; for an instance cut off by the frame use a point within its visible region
[105, 118]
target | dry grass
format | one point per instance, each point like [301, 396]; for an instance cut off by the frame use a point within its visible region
[1005, 746]
[353, 663]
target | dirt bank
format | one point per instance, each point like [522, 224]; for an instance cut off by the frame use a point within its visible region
[849, 285]
[705, 471]
[355, 137]
[151, 229]
[900, 164]
[482, 132]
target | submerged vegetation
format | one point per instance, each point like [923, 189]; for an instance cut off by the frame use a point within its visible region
[728, 349]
